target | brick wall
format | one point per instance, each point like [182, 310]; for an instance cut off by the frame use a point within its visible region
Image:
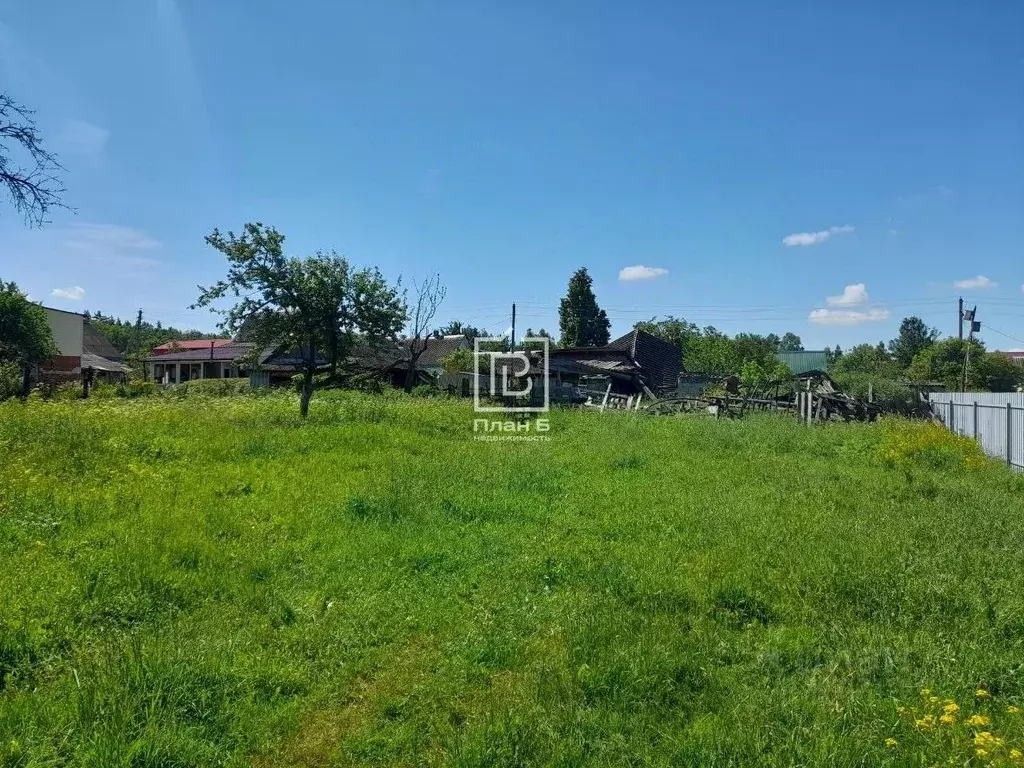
[62, 363]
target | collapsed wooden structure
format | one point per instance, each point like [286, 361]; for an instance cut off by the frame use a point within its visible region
[813, 396]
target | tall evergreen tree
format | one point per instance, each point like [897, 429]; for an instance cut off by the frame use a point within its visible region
[581, 322]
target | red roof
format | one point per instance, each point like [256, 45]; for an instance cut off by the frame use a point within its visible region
[184, 346]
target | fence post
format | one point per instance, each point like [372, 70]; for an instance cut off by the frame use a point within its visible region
[975, 420]
[952, 416]
[1009, 434]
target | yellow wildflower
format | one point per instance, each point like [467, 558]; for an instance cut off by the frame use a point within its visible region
[981, 753]
[981, 693]
[951, 709]
[926, 692]
[976, 721]
[1013, 710]
[925, 723]
[1016, 754]
[891, 743]
[947, 720]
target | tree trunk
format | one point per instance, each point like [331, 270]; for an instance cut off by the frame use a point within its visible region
[26, 380]
[410, 376]
[306, 394]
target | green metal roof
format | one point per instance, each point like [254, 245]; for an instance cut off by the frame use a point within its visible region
[802, 362]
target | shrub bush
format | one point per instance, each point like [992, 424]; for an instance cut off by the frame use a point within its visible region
[211, 388]
[426, 390]
[10, 380]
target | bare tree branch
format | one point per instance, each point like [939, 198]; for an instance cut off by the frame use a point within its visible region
[429, 296]
[34, 187]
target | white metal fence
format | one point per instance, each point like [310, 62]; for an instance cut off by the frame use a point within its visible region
[995, 419]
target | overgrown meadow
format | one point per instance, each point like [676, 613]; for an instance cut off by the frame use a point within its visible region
[204, 581]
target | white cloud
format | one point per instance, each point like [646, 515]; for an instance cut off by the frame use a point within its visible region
[852, 296]
[77, 293]
[847, 316]
[640, 272]
[82, 138]
[972, 283]
[813, 238]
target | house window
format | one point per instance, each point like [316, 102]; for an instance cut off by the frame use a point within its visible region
[158, 372]
[225, 370]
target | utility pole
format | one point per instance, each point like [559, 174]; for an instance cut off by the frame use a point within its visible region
[513, 349]
[960, 317]
[970, 315]
[138, 331]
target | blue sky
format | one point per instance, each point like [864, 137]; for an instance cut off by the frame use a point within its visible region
[757, 158]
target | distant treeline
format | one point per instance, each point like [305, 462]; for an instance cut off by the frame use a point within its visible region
[131, 336]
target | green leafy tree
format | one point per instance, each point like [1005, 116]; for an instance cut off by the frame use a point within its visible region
[754, 374]
[535, 345]
[458, 361]
[867, 370]
[26, 340]
[753, 347]
[316, 306]
[943, 362]
[675, 330]
[865, 359]
[712, 351]
[1000, 374]
[27, 171]
[581, 322]
[455, 327]
[914, 336]
[790, 342]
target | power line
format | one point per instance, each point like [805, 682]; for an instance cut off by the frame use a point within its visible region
[1011, 338]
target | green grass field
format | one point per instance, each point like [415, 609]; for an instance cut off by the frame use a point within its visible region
[204, 581]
